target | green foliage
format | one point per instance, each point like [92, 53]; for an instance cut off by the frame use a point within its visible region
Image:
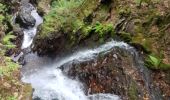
[8, 66]
[155, 62]
[98, 28]
[125, 11]
[140, 39]
[132, 91]
[3, 8]
[102, 29]
[11, 98]
[139, 2]
[1, 18]
[62, 16]
[65, 4]
[6, 40]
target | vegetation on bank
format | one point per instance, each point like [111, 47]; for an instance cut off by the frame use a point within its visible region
[69, 17]
[6, 64]
[145, 23]
[62, 16]
[155, 62]
[10, 86]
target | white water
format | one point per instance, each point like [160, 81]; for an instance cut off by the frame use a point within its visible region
[48, 80]
[50, 83]
[30, 33]
[90, 54]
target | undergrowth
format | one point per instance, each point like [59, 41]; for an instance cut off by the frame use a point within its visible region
[62, 16]
[156, 62]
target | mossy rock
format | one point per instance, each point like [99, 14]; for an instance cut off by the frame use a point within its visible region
[133, 91]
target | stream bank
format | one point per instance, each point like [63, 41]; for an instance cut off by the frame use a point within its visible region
[133, 22]
[144, 25]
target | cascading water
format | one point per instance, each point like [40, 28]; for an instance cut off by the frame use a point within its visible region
[50, 83]
[48, 80]
[31, 32]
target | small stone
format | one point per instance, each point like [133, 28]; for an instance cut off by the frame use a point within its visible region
[115, 56]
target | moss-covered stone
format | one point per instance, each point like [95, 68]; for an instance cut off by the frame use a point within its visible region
[148, 25]
[133, 91]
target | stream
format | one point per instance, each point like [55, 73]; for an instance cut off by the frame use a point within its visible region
[50, 83]
[47, 78]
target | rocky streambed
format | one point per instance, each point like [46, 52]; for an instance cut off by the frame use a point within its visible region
[86, 66]
[111, 71]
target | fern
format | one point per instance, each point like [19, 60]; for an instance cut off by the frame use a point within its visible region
[103, 29]
[6, 41]
[62, 16]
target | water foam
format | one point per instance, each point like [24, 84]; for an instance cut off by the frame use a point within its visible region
[50, 83]
[31, 32]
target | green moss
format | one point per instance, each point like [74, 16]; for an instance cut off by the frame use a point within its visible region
[123, 10]
[143, 41]
[148, 2]
[132, 91]
[8, 66]
[101, 14]
[87, 8]
[126, 36]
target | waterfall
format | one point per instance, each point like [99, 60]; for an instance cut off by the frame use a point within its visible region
[50, 83]
[47, 78]
[31, 32]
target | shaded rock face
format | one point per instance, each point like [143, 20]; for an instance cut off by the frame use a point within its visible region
[161, 79]
[58, 44]
[24, 18]
[61, 42]
[114, 72]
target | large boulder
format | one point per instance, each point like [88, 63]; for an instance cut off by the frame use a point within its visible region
[24, 18]
[116, 72]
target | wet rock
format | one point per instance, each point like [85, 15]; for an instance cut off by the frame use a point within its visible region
[24, 18]
[162, 81]
[114, 72]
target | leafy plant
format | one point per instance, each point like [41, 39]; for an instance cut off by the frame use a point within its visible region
[102, 29]
[62, 17]
[3, 8]
[154, 62]
[1, 18]
[11, 98]
[8, 66]
[6, 40]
